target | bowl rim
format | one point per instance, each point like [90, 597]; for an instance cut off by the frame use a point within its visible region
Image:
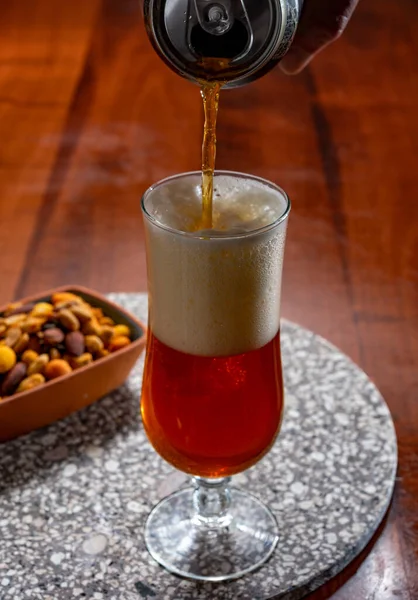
[140, 341]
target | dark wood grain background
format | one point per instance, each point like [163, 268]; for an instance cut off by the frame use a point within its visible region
[89, 117]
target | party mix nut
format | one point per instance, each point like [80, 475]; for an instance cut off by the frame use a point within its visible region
[42, 341]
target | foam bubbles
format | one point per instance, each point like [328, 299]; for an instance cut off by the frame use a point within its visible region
[239, 205]
[213, 294]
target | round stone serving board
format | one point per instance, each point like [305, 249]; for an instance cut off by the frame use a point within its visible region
[74, 496]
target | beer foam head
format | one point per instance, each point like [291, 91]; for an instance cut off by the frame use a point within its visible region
[215, 292]
[239, 205]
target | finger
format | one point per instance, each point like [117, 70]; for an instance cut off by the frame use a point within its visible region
[322, 22]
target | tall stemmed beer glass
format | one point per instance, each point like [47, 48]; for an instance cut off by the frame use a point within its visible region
[212, 397]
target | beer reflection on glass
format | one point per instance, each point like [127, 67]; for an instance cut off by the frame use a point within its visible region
[212, 396]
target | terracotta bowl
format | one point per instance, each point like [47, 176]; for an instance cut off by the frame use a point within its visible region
[60, 397]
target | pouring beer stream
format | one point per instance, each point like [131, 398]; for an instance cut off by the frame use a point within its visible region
[210, 95]
[222, 43]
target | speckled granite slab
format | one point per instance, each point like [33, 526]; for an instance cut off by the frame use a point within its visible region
[74, 497]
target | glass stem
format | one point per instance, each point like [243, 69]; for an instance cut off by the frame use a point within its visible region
[211, 500]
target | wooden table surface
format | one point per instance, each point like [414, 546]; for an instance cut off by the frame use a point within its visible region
[89, 117]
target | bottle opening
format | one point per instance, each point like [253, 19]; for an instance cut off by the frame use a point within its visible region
[230, 44]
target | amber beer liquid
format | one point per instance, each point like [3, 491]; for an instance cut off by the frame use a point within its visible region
[210, 96]
[222, 413]
[209, 91]
[212, 397]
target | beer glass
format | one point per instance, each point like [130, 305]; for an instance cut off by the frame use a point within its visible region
[212, 395]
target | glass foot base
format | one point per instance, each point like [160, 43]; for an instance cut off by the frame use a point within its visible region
[187, 547]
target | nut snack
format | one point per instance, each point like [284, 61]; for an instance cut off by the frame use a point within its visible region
[41, 341]
[59, 352]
